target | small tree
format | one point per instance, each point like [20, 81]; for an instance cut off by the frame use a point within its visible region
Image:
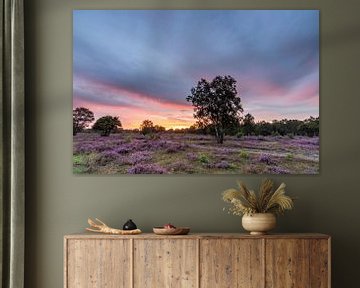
[216, 104]
[107, 124]
[82, 117]
[248, 125]
[310, 127]
[147, 127]
[159, 128]
[263, 128]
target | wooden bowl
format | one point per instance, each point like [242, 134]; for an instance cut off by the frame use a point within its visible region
[171, 231]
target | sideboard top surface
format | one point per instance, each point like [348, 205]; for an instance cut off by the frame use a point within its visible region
[87, 235]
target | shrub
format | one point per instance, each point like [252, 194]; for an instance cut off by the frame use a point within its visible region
[176, 147]
[222, 165]
[147, 169]
[106, 157]
[239, 134]
[159, 145]
[78, 159]
[291, 135]
[139, 156]
[192, 156]
[253, 169]
[203, 158]
[209, 165]
[289, 156]
[243, 154]
[153, 136]
[266, 158]
[128, 139]
[278, 170]
[180, 166]
[124, 149]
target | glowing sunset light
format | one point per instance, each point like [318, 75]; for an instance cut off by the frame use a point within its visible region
[130, 106]
[131, 118]
[178, 127]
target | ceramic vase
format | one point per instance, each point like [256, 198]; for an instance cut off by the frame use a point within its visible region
[259, 223]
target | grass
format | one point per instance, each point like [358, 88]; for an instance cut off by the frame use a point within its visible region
[79, 164]
[243, 154]
[196, 154]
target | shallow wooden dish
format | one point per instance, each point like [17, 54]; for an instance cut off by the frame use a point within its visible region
[171, 231]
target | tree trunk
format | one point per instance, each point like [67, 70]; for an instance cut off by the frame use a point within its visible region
[220, 139]
[219, 134]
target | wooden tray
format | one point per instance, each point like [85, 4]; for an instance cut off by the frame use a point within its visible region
[171, 231]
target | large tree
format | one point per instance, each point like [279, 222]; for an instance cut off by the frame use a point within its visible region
[82, 117]
[107, 124]
[216, 104]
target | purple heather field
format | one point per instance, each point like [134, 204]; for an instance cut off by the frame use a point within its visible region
[178, 153]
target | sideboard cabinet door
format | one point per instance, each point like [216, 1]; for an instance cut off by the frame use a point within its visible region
[231, 263]
[165, 263]
[98, 263]
[287, 263]
[320, 263]
[297, 263]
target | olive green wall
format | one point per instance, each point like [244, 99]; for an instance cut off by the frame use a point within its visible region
[59, 203]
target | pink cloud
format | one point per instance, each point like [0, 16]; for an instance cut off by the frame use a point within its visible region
[265, 100]
[132, 107]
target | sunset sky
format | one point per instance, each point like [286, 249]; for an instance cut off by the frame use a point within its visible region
[142, 64]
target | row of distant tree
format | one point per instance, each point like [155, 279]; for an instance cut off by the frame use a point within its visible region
[218, 111]
[248, 126]
[82, 117]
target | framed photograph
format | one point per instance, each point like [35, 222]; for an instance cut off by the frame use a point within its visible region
[195, 92]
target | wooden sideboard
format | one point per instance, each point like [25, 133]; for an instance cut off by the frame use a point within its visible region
[197, 260]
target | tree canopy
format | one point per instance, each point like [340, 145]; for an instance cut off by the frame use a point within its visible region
[216, 104]
[107, 124]
[248, 124]
[147, 126]
[82, 117]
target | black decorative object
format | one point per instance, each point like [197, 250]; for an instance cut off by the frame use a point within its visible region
[129, 225]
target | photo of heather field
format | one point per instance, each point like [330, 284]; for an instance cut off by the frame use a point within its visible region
[195, 92]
